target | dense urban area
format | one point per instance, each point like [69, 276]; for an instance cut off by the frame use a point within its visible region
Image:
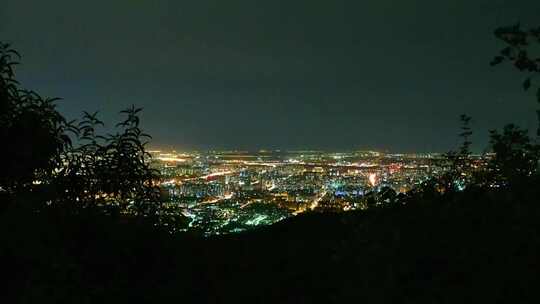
[232, 191]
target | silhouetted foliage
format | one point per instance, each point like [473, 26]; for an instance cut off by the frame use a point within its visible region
[516, 157]
[32, 132]
[65, 163]
[109, 170]
[519, 52]
[458, 174]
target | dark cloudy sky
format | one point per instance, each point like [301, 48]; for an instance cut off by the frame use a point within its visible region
[253, 74]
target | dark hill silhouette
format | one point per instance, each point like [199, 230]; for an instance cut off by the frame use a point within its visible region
[475, 246]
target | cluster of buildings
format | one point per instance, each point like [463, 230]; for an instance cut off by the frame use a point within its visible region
[229, 191]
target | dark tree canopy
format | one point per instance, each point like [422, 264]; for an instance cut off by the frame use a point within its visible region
[516, 157]
[67, 162]
[32, 132]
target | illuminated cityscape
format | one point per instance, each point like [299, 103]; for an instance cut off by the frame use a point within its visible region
[232, 191]
[281, 152]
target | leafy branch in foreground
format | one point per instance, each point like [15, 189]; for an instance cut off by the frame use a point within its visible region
[111, 170]
[519, 51]
[67, 163]
[32, 132]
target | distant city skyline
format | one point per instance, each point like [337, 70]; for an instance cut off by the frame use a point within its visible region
[169, 148]
[232, 191]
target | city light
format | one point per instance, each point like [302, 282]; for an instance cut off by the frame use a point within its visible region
[226, 192]
[373, 179]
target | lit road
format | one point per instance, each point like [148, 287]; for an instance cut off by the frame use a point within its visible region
[317, 200]
[217, 200]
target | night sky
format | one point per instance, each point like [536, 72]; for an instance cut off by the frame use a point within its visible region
[371, 74]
